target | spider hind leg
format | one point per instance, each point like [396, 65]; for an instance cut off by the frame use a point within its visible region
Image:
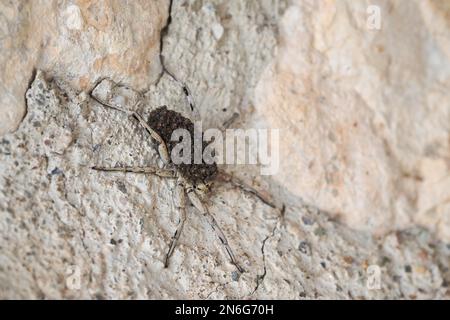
[180, 203]
[195, 200]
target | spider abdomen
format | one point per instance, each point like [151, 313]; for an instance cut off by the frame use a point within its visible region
[164, 122]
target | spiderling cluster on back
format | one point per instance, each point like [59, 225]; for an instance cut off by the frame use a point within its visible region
[195, 173]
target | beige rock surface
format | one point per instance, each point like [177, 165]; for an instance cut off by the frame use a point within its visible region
[80, 41]
[364, 140]
[365, 113]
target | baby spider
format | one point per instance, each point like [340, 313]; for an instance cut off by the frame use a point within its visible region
[193, 180]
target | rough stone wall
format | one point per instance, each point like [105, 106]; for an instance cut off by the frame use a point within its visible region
[366, 112]
[79, 41]
[363, 116]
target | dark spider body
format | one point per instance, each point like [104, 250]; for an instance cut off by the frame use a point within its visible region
[164, 121]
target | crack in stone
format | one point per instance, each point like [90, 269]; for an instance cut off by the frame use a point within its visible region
[260, 278]
[163, 34]
[30, 83]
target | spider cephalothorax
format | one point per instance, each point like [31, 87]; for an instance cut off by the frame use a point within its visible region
[195, 173]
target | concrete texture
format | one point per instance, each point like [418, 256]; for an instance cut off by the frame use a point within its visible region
[364, 151]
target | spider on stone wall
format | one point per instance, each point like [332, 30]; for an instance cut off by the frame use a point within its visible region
[193, 180]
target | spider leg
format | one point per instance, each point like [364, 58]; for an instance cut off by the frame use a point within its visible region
[213, 223]
[186, 91]
[165, 173]
[105, 104]
[180, 203]
[244, 187]
[230, 121]
[162, 148]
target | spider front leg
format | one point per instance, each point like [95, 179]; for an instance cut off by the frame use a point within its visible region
[162, 148]
[226, 177]
[186, 91]
[164, 173]
[195, 200]
[180, 203]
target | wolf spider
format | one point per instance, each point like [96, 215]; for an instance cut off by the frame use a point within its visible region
[193, 180]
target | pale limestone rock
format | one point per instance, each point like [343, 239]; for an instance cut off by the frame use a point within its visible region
[365, 113]
[79, 41]
[217, 31]
[73, 18]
